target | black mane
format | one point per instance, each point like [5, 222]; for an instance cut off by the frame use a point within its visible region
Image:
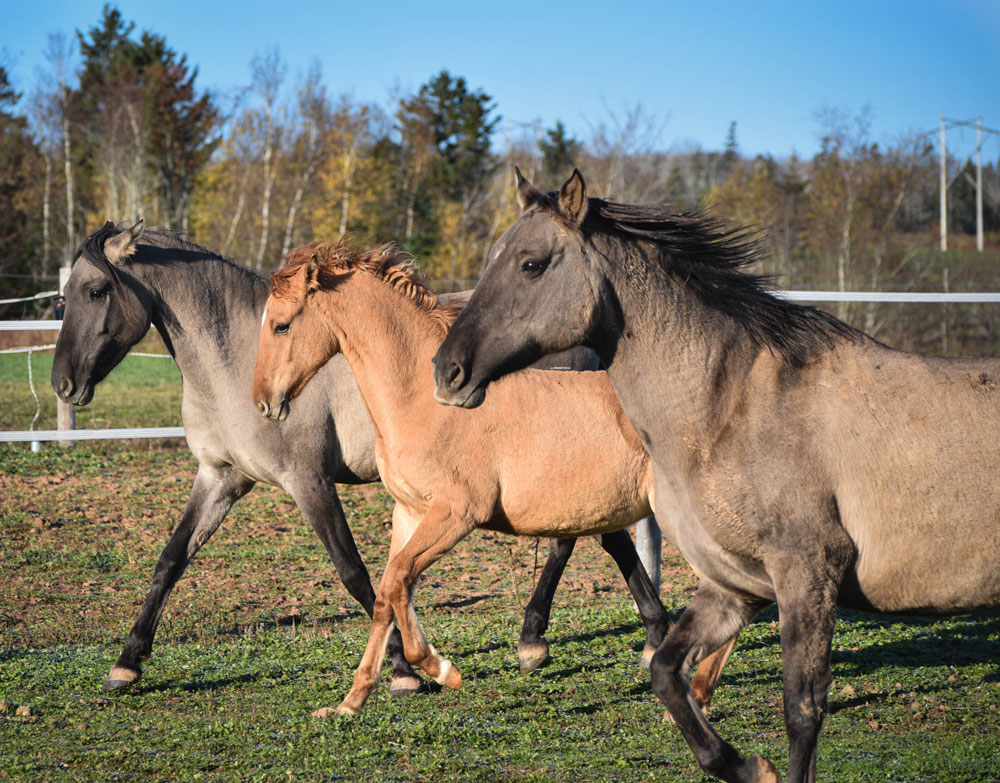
[710, 256]
[93, 248]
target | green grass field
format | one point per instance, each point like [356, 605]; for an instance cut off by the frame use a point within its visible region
[260, 633]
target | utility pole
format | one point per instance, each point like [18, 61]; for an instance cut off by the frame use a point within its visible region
[944, 189]
[979, 184]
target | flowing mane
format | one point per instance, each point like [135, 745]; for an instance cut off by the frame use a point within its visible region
[93, 248]
[387, 263]
[710, 256]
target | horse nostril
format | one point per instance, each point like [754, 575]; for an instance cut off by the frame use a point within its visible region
[456, 377]
[65, 387]
[262, 408]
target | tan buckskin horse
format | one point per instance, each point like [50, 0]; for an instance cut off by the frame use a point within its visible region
[797, 460]
[520, 464]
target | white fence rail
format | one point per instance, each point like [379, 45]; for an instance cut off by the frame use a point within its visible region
[887, 297]
[9, 436]
[65, 435]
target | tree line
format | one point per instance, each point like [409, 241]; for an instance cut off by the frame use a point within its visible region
[117, 127]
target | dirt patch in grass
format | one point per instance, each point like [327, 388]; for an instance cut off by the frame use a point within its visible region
[81, 540]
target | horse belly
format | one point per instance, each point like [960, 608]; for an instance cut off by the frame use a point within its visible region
[924, 558]
[585, 506]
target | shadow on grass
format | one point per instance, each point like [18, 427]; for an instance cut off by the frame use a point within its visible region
[262, 626]
[929, 642]
[196, 686]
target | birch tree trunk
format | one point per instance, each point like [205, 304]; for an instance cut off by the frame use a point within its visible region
[237, 216]
[265, 206]
[46, 212]
[68, 167]
[345, 197]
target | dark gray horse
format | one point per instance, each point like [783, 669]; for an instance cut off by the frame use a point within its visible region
[796, 460]
[208, 312]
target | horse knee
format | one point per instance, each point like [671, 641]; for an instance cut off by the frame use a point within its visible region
[665, 672]
[804, 717]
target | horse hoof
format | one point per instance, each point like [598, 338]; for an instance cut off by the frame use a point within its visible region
[347, 709]
[647, 656]
[763, 770]
[450, 677]
[405, 685]
[120, 678]
[531, 656]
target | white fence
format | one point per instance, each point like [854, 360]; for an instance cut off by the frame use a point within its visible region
[178, 432]
[38, 436]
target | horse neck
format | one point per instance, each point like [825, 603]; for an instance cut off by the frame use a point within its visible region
[389, 342]
[678, 366]
[207, 309]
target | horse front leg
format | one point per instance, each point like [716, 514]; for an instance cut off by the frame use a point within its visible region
[437, 532]
[532, 649]
[806, 589]
[321, 505]
[214, 492]
[714, 616]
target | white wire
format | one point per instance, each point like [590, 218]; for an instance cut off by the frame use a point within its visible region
[42, 295]
[29, 348]
[24, 348]
[38, 403]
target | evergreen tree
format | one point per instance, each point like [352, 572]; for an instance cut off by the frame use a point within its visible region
[147, 133]
[559, 152]
[17, 239]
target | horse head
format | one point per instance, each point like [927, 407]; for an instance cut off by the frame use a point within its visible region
[537, 296]
[294, 341]
[107, 312]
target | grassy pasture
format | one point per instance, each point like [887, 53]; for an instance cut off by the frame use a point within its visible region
[259, 633]
[141, 392]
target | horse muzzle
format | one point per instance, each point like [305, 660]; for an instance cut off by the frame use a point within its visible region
[464, 398]
[67, 391]
[277, 413]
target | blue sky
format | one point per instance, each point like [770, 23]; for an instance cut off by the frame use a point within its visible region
[694, 67]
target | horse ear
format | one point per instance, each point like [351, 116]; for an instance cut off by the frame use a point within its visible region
[527, 194]
[122, 245]
[573, 199]
[312, 275]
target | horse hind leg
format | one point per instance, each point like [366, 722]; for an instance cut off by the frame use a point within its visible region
[709, 673]
[212, 496]
[619, 545]
[714, 616]
[532, 649]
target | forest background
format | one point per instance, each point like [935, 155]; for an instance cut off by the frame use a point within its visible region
[118, 127]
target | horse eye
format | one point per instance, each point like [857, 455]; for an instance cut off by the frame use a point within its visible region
[534, 266]
[280, 328]
[96, 294]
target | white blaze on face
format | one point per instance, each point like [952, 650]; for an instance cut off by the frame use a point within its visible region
[496, 253]
[263, 318]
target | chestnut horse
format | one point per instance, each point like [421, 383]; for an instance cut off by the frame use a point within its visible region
[797, 460]
[521, 464]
